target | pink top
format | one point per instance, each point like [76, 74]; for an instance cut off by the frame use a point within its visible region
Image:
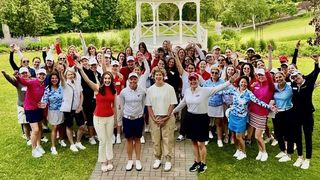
[35, 91]
[263, 91]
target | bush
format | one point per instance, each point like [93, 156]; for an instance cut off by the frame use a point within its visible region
[274, 45]
[103, 43]
[262, 45]
[4, 49]
[124, 37]
[229, 34]
[251, 43]
[92, 39]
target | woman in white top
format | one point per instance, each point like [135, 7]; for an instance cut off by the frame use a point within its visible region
[160, 101]
[197, 120]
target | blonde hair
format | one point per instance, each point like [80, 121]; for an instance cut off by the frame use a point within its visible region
[161, 70]
[214, 68]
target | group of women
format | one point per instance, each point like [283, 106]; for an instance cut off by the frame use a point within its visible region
[202, 90]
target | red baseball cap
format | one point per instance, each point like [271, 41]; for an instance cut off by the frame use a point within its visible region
[283, 59]
[193, 76]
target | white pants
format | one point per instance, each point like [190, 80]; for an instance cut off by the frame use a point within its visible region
[104, 128]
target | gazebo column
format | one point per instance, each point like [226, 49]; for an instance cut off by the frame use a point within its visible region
[157, 13]
[138, 13]
[180, 6]
[154, 23]
[198, 19]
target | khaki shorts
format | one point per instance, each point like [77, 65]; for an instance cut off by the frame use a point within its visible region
[21, 115]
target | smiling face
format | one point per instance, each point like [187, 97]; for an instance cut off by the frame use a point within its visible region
[41, 76]
[260, 65]
[54, 80]
[70, 75]
[291, 68]
[36, 63]
[202, 65]
[158, 76]
[246, 70]
[107, 80]
[297, 79]
[230, 71]
[92, 50]
[243, 84]
[279, 78]
[24, 62]
[181, 54]
[261, 77]
[133, 82]
[137, 70]
[215, 74]
[161, 64]
[171, 63]
[193, 83]
[191, 68]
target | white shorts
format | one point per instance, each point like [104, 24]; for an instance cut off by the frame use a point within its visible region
[217, 111]
[21, 115]
[55, 117]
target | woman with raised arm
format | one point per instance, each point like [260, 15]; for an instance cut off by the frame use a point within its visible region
[105, 115]
[23, 63]
[34, 115]
[197, 120]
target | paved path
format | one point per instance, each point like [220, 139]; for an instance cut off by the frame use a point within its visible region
[182, 160]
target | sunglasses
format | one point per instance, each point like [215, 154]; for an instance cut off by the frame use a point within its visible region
[25, 61]
[62, 58]
[214, 72]
[260, 74]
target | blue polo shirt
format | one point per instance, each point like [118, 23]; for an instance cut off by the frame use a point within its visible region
[283, 97]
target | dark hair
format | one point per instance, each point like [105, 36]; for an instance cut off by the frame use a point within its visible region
[112, 88]
[246, 78]
[36, 58]
[174, 68]
[131, 54]
[124, 62]
[257, 56]
[144, 46]
[54, 73]
[251, 70]
[90, 47]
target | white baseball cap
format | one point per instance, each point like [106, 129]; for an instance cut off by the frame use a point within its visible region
[49, 57]
[92, 61]
[260, 71]
[216, 47]
[250, 49]
[130, 58]
[274, 70]
[115, 63]
[23, 70]
[43, 71]
[294, 73]
[133, 74]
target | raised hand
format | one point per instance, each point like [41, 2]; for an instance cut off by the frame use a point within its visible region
[270, 48]
[298, 44]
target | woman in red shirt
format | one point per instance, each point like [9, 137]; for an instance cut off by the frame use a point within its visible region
[105, 115]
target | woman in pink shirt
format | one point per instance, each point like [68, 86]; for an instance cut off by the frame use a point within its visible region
[34, 115]
[263, 89]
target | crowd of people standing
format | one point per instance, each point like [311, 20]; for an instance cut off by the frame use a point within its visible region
[209, 93]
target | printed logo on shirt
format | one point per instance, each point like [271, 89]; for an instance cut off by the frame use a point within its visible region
[197, 95]
[295, 88]
[118, 83]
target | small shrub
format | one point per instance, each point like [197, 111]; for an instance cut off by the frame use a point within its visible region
[229, 34]
[273, 43]
[262, 45]
[252, 43]
[92, 39]
[103, 43]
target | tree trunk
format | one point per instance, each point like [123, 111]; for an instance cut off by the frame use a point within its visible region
[6, 31]
[253, 22]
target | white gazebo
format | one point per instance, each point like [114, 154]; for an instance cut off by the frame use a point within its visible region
[178, 32]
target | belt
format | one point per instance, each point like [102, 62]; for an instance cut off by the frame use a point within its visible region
[131, 117]
[285, 109]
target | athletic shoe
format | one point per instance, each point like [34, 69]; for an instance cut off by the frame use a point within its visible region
[202, 168]
[232, 140]
[241, 156]
[305, 164]
[54, 151]
[36, 153]
[29, 142]
[73, 148]
[44, 139]
[285, 158]
[194, 166]
[274, 142]
[40, 149]
[259, 156]
[264, 157]
[210, 135]
[206, 142]
[220, 144]
[104, 167]
[142, 140]
[146, 129]
[109, 167]
[62, 143]
[280, 155]
[248, 141]
[226, 139]
[156, 164]
[167, 166]
[237, 153]
[266, 141]
[298, 162]
[180, 138]
[118, 140]
[80, 146]
[92, 141]
[129, 165]
[138, 165]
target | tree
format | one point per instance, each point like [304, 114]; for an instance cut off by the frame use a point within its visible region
[127, 16]
[28, 17]
[258, 10]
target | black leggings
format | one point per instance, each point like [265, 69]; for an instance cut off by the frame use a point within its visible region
[281, 124]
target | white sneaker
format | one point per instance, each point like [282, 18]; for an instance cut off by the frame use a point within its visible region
[40, 149]
[264, 157]
[80, 146]
[138, 165]
[73, 134]
[129, 165]
[44, 139]
[258, 158]
[156, 164]
[298, 162]
[285, 158]
[206, 142]
[62, 143]
[237, 153]
[241, 156]
[305, 164]
[109, 167]
[118, 141]
[167, 166]
[232, 141]
[294, 146]
[36, 153]
[220, 144]
[146, 129]
[266, 141]
[54, 151]
[73, 148]
[113, 139]
[210, 135]
[274, 142]
[29, 142]
[142, 140]
[180, 138]
[280, 155]
[104, 167]
[92, 141]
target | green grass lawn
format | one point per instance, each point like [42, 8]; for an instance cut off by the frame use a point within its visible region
[286, 30]
[17, 163]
